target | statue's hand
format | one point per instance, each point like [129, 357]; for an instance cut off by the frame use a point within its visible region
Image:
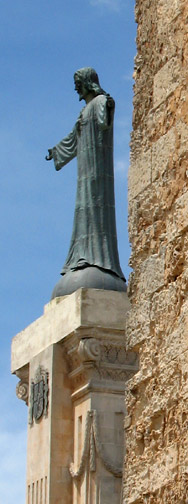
[50, 155]
[110, 102]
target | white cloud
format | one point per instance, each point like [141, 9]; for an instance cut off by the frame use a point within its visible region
[114, 5]
[12, 467]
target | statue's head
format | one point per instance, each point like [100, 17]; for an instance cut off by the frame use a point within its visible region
[87, 81]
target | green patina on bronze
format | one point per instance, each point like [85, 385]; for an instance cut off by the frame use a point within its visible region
[94, 237]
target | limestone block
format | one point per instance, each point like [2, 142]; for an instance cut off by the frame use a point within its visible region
[151, 275]
[137, 325]
[139, 174]
[133, 216]
[169, 40]
[175, 258]
[174, 343]
[171, 146]
[162, 150]
[149, 399]
[135, 484]
[167, 10]
[182, 132]
[164, 313]
[146, 242]
[163, 118]
[111, 302]
[177, 221]
[166, 80]
[163, 390]
[165, 469]
[146, 226]
[145, 481]
[183, 474]
[182, 363]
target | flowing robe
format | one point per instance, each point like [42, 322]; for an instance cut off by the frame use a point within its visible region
[94, 238]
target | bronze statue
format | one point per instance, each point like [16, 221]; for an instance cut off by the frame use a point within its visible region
[93, 245]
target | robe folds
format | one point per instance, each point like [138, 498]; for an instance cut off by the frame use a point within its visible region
[94, 237]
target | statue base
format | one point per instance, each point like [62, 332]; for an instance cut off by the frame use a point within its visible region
[90, 277]
[73, 365]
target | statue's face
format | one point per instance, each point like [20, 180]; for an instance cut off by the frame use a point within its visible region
[80, 88]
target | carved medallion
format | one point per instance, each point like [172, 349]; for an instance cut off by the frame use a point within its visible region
[38, 396]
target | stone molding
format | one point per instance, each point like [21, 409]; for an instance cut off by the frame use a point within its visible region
[83, 310]
[91, 361]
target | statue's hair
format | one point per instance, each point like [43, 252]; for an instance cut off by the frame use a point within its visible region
[90, 80]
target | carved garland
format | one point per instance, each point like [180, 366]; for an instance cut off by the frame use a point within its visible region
[92, 445]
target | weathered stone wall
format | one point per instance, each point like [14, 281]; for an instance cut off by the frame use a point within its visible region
[156, 464]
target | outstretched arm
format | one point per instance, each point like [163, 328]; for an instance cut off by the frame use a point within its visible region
[64, 151]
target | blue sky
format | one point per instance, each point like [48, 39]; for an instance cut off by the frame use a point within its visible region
[42, 44]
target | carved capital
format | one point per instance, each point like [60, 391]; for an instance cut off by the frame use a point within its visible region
[22, 391]
[93, 359]
[89, 350]
[22, 387]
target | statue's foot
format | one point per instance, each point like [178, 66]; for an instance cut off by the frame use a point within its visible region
[90, 277]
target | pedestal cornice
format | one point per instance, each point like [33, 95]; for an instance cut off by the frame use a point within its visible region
[88, 309]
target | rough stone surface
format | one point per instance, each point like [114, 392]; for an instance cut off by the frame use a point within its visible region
[155, 470]
[166, 80]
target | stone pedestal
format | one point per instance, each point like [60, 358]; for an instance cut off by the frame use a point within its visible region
[72, 367]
